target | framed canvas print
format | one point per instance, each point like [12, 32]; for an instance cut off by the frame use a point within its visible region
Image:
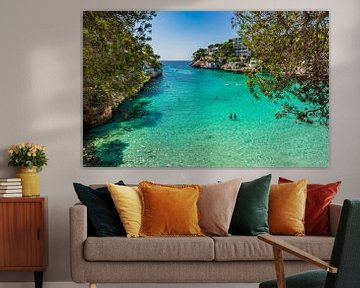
[205, 89]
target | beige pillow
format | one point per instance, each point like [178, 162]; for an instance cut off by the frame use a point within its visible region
[216, 206]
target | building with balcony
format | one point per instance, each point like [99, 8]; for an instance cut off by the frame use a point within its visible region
[241, 50]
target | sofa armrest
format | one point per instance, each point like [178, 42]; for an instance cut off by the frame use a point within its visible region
[334, 216]
[78, 235]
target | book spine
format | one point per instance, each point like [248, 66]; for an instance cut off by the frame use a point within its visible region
[10, 179]
[10, 183]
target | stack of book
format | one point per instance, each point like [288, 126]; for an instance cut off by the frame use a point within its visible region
[10, 187]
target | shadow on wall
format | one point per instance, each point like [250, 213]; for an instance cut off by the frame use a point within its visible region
[41, 78]
[4, 158]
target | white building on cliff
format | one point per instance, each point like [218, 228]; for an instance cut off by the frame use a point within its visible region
[241, 50]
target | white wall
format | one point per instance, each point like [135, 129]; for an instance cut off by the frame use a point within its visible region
[40, 88]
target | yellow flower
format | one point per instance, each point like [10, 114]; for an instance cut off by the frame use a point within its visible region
[26, 151]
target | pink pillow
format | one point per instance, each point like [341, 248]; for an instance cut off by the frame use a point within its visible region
[216, 206]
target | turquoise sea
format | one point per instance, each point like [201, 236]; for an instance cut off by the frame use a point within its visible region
[181, 119]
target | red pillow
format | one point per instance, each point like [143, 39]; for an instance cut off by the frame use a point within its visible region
[319, 197]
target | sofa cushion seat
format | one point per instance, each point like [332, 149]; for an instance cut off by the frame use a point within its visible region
[149, 249]
[249, 248]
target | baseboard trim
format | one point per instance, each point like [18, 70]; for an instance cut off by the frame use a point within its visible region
[74, 285]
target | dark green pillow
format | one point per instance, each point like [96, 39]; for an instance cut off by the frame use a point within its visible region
[250, 216]
[103, 219]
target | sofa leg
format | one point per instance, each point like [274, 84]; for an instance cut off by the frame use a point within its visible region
[92, 285]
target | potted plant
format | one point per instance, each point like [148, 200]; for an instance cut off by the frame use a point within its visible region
[30, 158]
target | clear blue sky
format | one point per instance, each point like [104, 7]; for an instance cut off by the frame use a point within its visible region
[177, 34]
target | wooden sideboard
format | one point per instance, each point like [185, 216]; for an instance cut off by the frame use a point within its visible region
[23, 235]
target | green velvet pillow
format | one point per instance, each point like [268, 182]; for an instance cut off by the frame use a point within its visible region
[250, 216]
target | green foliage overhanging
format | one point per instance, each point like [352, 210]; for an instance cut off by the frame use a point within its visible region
[116, 56]
[293, 47]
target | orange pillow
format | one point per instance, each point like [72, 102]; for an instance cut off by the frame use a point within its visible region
[169, 210]
[287, 204]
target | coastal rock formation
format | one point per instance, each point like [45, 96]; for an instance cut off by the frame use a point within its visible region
[97, 116]
[237, 67]
[153, 72]
[205, 64]
[230, 55]
[233, 67]
[197, 64]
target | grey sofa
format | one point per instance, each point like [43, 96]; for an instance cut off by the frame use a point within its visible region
[234, 259]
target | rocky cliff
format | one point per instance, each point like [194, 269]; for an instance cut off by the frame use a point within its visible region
[99, 115]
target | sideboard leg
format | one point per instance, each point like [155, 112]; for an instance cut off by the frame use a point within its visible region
[38, 279]
[92, 285]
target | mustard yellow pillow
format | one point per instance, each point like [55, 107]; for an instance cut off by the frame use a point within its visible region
[287, 204]
[127, 201]
[169, 210]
